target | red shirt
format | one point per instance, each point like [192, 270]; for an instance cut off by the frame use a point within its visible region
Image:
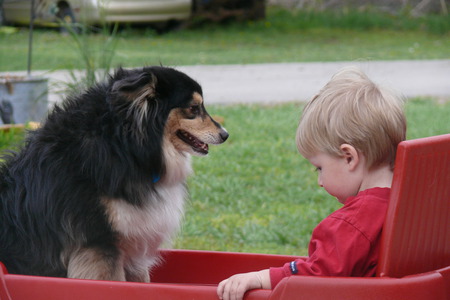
[346, 243]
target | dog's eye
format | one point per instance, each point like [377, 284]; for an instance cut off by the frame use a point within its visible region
[195, 109]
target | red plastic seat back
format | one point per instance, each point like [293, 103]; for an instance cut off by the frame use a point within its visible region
[416, 234]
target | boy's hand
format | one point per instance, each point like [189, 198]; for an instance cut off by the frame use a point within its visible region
[235, 287]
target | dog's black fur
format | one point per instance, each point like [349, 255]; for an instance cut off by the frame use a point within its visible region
[105, 146]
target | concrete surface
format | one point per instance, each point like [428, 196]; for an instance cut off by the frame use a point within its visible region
[266, 83]
[282, 82]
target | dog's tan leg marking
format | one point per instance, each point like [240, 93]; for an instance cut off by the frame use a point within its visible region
[88, 263]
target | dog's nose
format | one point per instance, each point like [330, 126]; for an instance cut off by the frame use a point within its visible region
[224, 134]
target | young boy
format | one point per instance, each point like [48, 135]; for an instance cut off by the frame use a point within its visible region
[349, 132]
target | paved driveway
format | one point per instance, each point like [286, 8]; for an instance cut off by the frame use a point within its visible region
[266, 83]
[282, 82]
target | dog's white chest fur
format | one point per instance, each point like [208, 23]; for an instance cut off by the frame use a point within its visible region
[154, 221]
[142, 229]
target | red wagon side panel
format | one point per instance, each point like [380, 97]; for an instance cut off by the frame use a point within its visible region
[211, 267]
[429, 286]
[424, 287]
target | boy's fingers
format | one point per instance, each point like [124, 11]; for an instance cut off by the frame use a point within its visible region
[232, 290]
[234, 287]
[220, 288]
[225, 290]
[228, 290]
[240, 291]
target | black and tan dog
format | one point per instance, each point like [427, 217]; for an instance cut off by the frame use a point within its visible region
[96, 190]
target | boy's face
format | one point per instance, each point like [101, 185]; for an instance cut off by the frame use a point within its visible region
[336, 175]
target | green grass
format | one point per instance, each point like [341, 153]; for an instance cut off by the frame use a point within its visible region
[283, 37]
[11, 139]
[255, 193]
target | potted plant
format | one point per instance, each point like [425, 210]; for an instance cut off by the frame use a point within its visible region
[24, 98]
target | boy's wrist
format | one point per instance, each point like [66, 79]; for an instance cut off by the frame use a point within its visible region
[264, 278]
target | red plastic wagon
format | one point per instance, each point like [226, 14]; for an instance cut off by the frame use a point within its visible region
[414, 260]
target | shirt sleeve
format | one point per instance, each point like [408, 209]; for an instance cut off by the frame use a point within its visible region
[337, 248]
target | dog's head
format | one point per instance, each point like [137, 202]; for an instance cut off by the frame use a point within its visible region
[159, 102]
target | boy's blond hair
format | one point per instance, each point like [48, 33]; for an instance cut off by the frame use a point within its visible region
[351, 109]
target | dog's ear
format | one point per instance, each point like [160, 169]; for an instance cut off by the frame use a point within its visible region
[135, 87]
[134, 94]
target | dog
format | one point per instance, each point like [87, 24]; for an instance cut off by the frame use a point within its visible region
[101, 185]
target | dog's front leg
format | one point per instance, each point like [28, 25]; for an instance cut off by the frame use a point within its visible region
[138, 274]
[97, 264]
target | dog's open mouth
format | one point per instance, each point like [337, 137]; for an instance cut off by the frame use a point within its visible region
[195, 143]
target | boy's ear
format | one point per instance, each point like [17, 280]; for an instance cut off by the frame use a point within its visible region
[351, 156]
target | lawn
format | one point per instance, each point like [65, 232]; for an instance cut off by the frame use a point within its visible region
[283, 37]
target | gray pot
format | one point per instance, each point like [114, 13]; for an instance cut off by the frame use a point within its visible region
[23, 99]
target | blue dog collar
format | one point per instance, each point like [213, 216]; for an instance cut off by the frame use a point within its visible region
[155, 178]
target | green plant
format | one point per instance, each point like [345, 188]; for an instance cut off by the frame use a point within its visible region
[96, 53]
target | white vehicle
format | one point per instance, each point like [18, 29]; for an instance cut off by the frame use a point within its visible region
[51, 12]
